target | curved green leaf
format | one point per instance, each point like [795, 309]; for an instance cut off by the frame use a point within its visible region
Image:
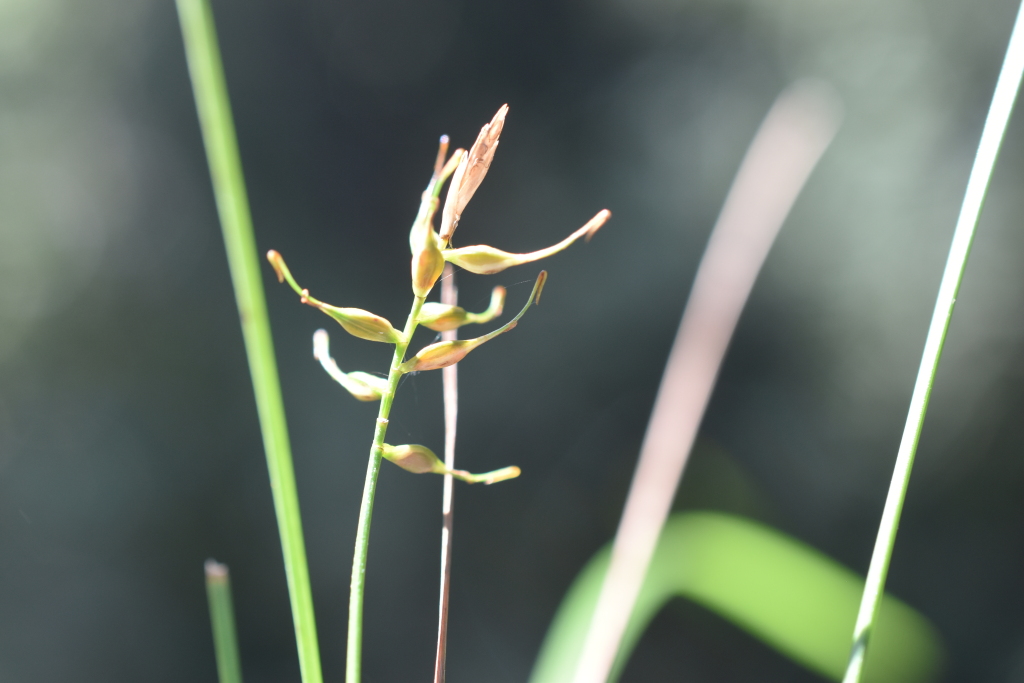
[785, 593]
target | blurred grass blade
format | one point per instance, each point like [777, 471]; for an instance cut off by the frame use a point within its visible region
[795, 133]
[222, 619]
[233, 206]
[977, 185]
[785, 593]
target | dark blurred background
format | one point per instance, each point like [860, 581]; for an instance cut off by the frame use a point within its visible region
[129, 445]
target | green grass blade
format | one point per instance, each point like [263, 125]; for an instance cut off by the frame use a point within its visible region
[981, 173]
[785, 593]
[218, 129]
[222, 619]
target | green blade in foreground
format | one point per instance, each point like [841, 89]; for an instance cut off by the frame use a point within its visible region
[782, 591]
[214, 109]
[977, 185]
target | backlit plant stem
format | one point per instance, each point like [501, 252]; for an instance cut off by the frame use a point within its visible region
[353, 659]
[218, 129]
[354, 647]
[977, 185]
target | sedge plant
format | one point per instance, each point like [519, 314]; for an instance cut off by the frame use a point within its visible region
[431, 250]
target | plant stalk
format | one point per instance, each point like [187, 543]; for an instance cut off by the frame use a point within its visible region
[214, 109]
[450, 379]
[222, 620]
[353, 659]
[981, 173]
[357, 588]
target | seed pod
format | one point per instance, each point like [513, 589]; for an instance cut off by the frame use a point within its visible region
[443, 354]
[360, 323]
[362, 385]
[486, 260]
[470, 173]
[421, 460]
[427, 259]
[442, 317]
[356, 321]
[414, 458]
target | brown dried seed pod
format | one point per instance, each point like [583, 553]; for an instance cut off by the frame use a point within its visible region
[470, 174]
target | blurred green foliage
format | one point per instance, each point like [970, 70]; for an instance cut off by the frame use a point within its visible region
[789, 595]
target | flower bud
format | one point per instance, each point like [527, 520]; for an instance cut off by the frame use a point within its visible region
[421, 460]
[356, 321]
[486, 260]
[470, 173]
[362, 385]
[442, 317]
[443, 354]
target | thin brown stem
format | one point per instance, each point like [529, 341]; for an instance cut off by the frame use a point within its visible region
[450, 381]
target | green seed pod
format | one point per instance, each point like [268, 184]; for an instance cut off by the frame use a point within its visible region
[414, 458]
[443, 317]
[362, 385]
[443, 354]
[427, 260]
[421, 460]
[486, 260]
[356, 321]
[360, 323]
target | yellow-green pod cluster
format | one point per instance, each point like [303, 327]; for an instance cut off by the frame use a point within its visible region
[443, 354]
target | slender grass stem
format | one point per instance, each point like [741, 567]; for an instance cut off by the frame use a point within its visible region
[450, 379]
[981, 173]
[218, 129]
[354, 656]
[222, 619]
[354, 647]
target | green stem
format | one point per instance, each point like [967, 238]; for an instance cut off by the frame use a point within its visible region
[222, 619]
[357, 589]
[214, 109]
[977, 185]
[353, 660]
